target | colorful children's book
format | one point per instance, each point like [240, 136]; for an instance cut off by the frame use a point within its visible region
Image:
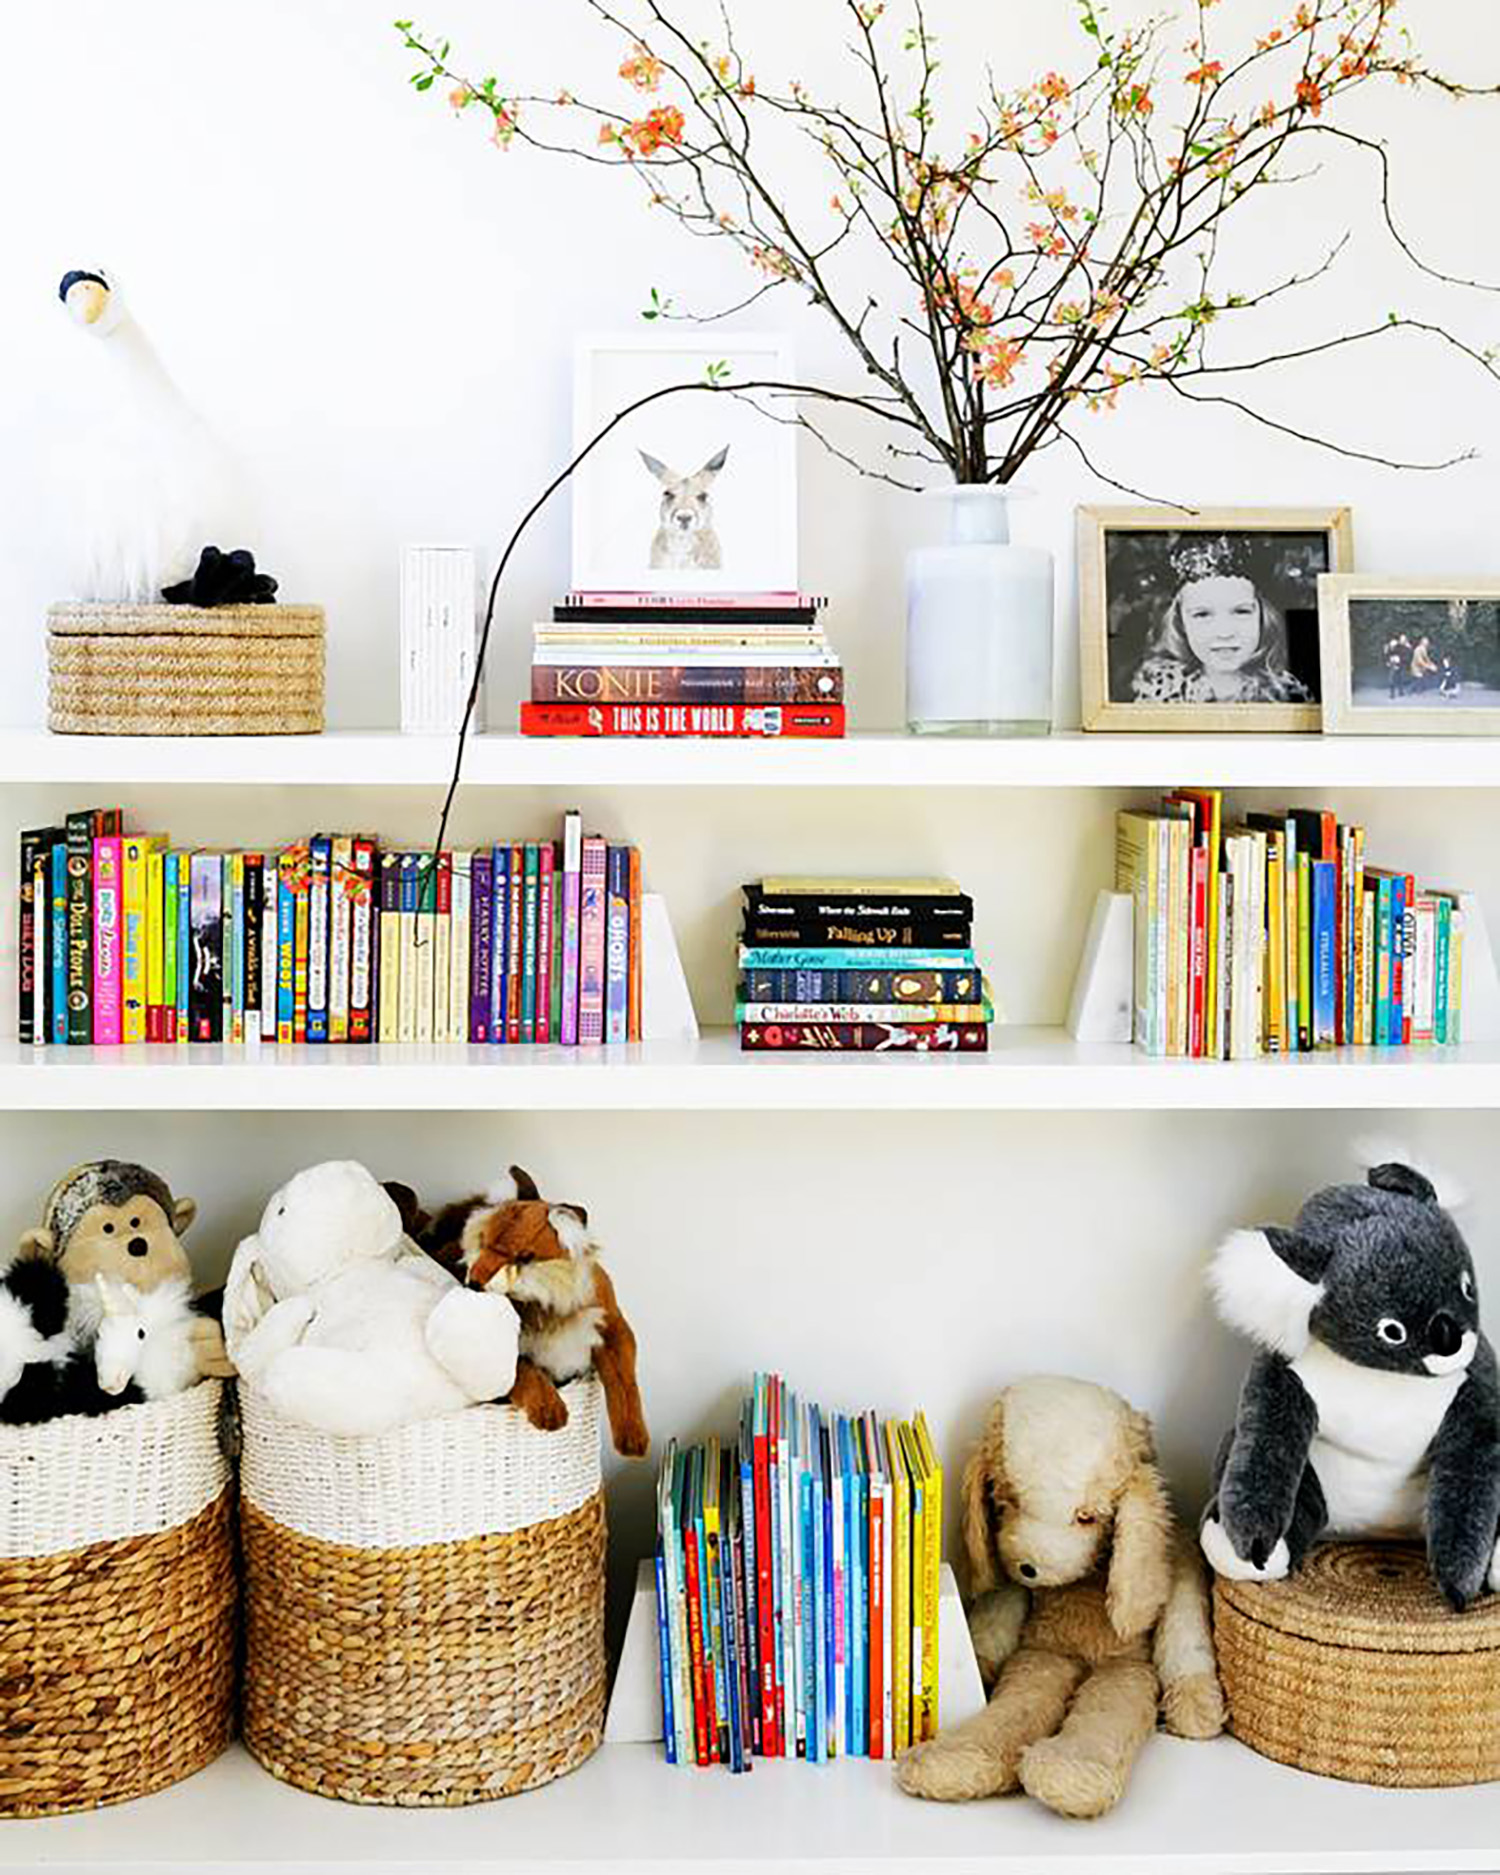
[108, 920]
[206, 933]
[591, 941]
[617, 945]
[572, 904]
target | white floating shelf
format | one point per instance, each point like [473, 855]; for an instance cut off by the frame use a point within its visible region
[1191, 1810]
[360, 759]
[1028, 1070]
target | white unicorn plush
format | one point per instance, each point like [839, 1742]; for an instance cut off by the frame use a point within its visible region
[145, 1337]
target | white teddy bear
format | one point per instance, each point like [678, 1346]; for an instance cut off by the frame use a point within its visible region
[342, 1323]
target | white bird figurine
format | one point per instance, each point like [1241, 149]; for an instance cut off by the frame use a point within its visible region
[151, 484]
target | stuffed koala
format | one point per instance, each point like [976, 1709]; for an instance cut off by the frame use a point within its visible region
[1373, 1405]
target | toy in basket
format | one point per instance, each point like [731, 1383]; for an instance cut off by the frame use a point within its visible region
[425, 1595]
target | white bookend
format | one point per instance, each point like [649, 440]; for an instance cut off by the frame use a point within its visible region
[439, 634]
[666, 1002]
[1479, 988]
[635, 1705]
[1100, 1010]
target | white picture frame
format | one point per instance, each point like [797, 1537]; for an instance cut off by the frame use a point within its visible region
[1371, 687]
[728, 461]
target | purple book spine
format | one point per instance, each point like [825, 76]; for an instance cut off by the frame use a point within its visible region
[481, 946]
[592, 919]
[572, 900]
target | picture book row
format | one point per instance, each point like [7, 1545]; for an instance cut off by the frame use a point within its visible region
[860, 965]
[124, 938]
[663, 664]
[1274, 934]
[797, 1586]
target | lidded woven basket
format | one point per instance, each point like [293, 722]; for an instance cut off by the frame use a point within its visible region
[1357, 1668]
[425, 1607]
[118, 1601]
[179, 670]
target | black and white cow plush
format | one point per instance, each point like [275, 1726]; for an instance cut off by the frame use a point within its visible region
[47, 1365]
[1372, 1407]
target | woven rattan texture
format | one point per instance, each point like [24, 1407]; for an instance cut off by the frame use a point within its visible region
[74, 1482]
[446, 1674]
[472, 1473]
[117, 1665]
[180, 671]
[1356, 1668]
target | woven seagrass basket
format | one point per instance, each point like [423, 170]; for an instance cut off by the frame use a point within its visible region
[118, 1601]
[178, 670]
[1357, 1668]
[425, 1608]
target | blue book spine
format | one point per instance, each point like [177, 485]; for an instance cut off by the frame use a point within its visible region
[668, 1720]
[784, 957]
[819, 1598]
[1383, 963]
[616, 944]
[1403, 921]
[810, 1619]
[730, 1714]
[57, 926]
[502, 964]
[1324, 945]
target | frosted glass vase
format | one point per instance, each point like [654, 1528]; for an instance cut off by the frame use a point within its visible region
[978, 625]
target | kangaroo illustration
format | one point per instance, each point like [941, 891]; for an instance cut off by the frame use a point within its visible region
[685, 535]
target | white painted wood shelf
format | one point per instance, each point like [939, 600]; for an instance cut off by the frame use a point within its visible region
[1191, 1810]
[1032, 1070]
[1070, 760]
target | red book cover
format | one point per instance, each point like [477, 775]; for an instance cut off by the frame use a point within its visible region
[695, 1644]
[763, 1591]
[515, 925]
[1408, 945]
[1198, 949]
[876, 1705]
[546, 868]
[775, 1401]
[770, 720]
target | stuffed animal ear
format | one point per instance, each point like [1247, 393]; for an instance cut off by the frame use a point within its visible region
[414, 1220]
[183, 1213]
[1403, 1179]
[38, 1242]
[1140, 1562]
[525, 1185]
[570, 1224]
[983, 1484]
[247, 1295]
[1266, 1283]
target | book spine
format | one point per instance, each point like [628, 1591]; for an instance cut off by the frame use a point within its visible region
[545, 938]
[635, 957]
[27, 920]
[900, 1597]
[572, 905]
[591, 941]
[41, 899]
[515, 941]
[442, 947]
[458, 976]
[1442, 952]
[749, 1578]
[302, 925]
[481, 943]
[133, 939]
[932, 1558]
[530, 939]
[340, 934]
[423, 944]
[1408, 950]
[664, 1656]
[234, 947]
[695, 1643]
[320, 856]
[500, 949]
[786, 721]
[1325, 988]
[877, 1618]
[617, 945]
[171, 951]
[867, 1037]
[1383, 963]
[80, 927]
[809, 1629]
[286, 943]
[1198, 960]
[206, 917]
[108, 915]
[184, 948]
[406, 950]
[686, 683]
[60, 891]
[1304, 952]
[764, 1587]
[906, 1014]
[871, 934]
[253, 890]
[361, 893]
[388, 977]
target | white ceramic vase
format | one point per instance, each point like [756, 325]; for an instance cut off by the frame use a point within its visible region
[978, 624]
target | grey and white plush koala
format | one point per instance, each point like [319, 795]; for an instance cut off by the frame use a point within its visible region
[1373, 1406]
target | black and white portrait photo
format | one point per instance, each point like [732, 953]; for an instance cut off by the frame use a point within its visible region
[1410, 656]
[1206, 615]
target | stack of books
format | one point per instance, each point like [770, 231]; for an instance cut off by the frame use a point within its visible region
[124, 938]
[860, 965]
[1272, 934]
[797, 1586]
[659, 664]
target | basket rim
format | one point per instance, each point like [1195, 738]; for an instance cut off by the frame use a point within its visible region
[1326, 1610]
[143, 1416]
[69, 618]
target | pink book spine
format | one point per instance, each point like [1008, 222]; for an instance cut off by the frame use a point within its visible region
[108, 1014]
[571, 903]
[591, 923]
[546, 867]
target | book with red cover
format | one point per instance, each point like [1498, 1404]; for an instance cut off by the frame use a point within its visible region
[878, 1589]
[763, 1574]
[873, 1038]
[1198, 948]
[770, 720]
[701, 1703]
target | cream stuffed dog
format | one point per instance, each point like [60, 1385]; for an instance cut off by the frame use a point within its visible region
[1092, 1608]
[336, 1316]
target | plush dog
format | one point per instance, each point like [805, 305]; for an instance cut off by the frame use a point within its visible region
[119, 1220]
[1372, 1407]
[1092, 1609]
[542, 1256]
[343, 1322]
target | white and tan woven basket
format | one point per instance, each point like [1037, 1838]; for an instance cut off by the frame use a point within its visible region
[424, 1609]
[177, 670]
[118, 1603]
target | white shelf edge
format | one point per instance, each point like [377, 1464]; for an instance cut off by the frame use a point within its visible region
[1065, 760]
[1028, 1070]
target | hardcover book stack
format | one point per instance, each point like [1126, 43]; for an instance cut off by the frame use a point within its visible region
[124, 938]
[1273, 934]
[658, 664]
[860, 965]
[797, 1586]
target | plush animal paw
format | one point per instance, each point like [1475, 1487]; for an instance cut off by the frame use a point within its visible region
[1071, 1782]
[1194, 1707]
[476, 1338]
[953, 1770]
[1227, 1562]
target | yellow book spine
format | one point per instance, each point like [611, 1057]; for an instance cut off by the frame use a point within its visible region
[914, 1565]
[133, 945]
[932, 1560]
[900, 1590]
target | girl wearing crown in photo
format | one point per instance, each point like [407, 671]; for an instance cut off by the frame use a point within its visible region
[1220, 640]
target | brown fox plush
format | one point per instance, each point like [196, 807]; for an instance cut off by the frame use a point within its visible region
[544, 1258]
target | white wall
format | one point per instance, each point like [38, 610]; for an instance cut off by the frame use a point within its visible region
[375, 307]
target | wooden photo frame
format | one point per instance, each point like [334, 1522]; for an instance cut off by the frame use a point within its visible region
[1410, 657]
[1147, 664]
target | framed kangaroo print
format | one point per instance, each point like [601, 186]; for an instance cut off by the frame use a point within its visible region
[696, 492]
